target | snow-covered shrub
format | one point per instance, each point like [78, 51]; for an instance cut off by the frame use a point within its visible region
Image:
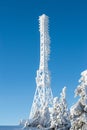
[79, 110]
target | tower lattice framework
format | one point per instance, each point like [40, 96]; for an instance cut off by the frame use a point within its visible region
[43, 95]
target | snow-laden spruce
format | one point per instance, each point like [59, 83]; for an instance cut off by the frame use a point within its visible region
[79, 110]
[60, 114]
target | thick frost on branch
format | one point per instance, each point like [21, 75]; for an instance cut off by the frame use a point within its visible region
[79, 110]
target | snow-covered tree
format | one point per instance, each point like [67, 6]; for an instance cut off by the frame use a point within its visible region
[55, 112]
[79, 110]
[60, 114]
[45, 117]
[64, 113]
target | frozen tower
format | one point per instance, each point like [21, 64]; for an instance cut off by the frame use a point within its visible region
[43, 96]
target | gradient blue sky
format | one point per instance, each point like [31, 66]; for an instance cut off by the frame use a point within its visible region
[19, 51]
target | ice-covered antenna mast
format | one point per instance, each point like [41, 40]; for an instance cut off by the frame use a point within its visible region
[43, 95]
[44, 41]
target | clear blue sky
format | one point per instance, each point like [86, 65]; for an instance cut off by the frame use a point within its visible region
[19, 51]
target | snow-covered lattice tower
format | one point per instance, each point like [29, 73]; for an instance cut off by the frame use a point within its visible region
[43, 96]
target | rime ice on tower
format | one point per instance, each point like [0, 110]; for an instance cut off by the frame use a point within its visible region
[43, 97]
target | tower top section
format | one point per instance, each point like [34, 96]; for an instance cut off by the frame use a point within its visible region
[43, 22]
[43, 16]
[44, 41]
